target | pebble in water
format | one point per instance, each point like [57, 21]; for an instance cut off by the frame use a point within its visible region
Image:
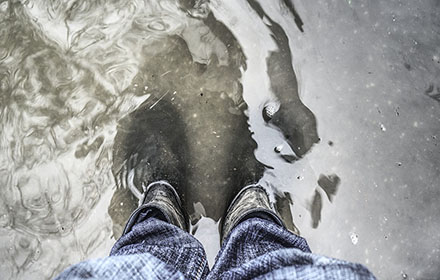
[269, 111]
[404, 275]
[278, 148]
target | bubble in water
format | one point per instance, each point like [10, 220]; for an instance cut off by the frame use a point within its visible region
[37, 254]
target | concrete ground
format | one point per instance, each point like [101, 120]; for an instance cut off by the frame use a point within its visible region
[370, 72]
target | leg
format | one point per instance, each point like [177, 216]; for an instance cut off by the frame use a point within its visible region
[251, 249]
[259, 245]
[166, 242]
[153, 245]
[151, 146]
[156, 229]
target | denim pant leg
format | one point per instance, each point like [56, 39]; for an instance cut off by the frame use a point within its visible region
[170, 244]
[260, 248]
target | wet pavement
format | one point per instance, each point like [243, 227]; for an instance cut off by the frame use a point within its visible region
[333, 106]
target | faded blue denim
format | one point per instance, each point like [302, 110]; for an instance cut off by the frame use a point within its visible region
[255, 249]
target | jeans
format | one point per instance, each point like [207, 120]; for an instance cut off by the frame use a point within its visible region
[257, 248]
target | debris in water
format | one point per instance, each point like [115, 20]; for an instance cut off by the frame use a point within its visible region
[354, 238]
[155, 103]
[269, 111]
[434, 95]
[167, 72]
[278, 148]
[289, 158]
[404, 275]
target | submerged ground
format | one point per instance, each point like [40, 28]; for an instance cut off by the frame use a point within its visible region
[334, 106]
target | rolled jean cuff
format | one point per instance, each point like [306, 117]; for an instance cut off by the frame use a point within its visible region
[141, 214]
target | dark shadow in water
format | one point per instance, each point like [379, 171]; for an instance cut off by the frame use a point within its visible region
[329, 184]
[297, 18]
[293, 118]
[315, 209]
[194, 126]
[189, 128]
[283, 203]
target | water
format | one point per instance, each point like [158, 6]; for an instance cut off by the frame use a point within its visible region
[331, 105]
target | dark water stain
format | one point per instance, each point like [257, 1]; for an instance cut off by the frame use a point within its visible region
[329, 183]
[434, 95]
[315, 209]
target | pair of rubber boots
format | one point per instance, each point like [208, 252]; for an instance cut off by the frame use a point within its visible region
[251, 201]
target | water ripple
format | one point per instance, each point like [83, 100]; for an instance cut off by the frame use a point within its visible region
[71, 73]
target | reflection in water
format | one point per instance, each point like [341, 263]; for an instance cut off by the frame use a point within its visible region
[195, 113]
[295, 120]
[213, 140]
[95, 95]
